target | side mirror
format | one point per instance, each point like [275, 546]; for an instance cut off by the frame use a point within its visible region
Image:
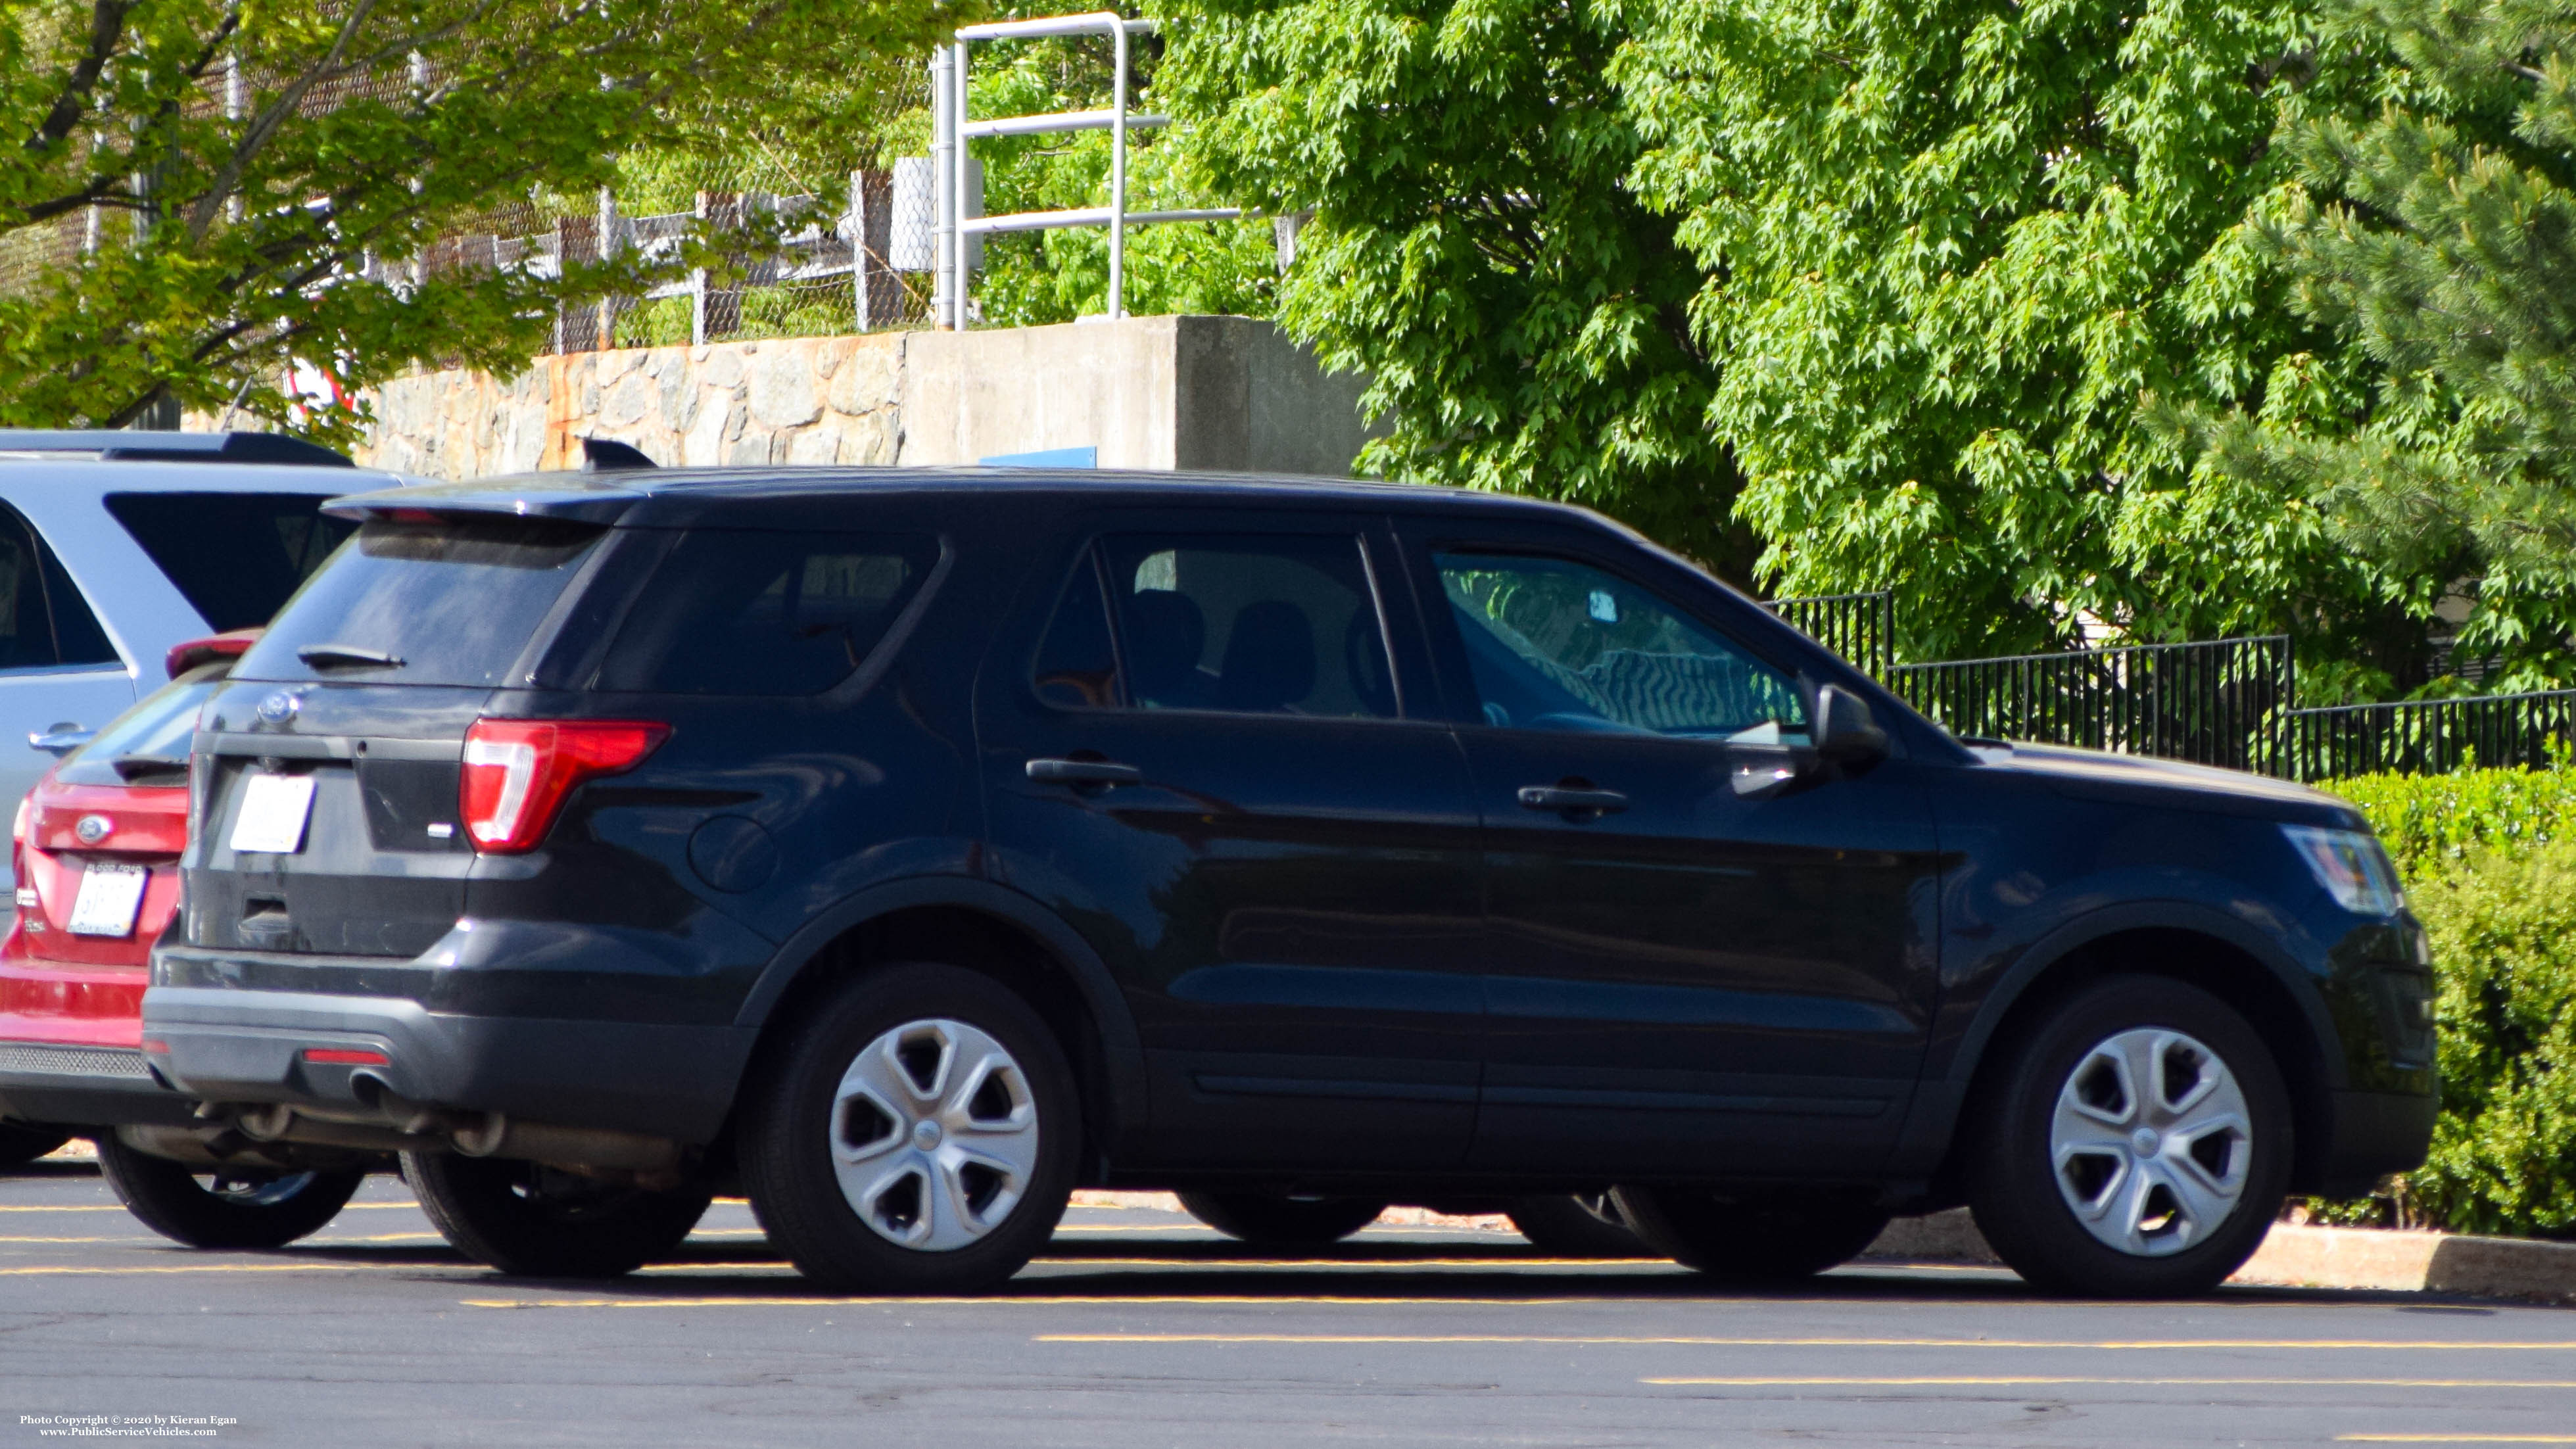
[1845, 733]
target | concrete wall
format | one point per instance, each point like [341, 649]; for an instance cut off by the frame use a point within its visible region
[1222, 393]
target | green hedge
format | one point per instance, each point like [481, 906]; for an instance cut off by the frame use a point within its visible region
[2490, 863]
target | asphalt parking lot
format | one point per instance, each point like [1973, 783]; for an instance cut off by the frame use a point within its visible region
[1140, 1328]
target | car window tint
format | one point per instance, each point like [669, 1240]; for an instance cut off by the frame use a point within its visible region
[235, 557]
[455, 597]
[156, 731]
[1077, 667]
[1554, 644]
[741, 612]
[1255, 624]
[45, 623]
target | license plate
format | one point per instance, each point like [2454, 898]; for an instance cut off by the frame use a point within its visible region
[273, 810]
[110, 896]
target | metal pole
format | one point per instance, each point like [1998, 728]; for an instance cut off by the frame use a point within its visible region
[1118, 176]
[959, 160]
[859, 250]
[943, 140]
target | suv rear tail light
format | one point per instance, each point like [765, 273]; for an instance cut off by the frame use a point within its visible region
[518, 771]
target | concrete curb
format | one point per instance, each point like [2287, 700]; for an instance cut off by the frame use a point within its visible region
[2312, 1257]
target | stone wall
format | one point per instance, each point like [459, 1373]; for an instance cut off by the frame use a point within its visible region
[790, 400]
[1226, 393]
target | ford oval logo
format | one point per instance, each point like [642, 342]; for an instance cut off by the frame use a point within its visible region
[279, 707]
[93, 828]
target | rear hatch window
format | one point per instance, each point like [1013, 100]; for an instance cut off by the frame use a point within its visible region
[148, 744]
[426, 600]
[235, 557]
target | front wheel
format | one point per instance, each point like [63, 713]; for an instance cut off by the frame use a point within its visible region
[1267, 1220]
[223, 1207]
[533, 1221]
[2136, 1145]
[918, 1134]
[1753, 1238]
[22, 1145]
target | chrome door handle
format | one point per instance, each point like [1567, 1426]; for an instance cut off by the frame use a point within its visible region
[1571, 799]
[1084, 772]
[61, 740]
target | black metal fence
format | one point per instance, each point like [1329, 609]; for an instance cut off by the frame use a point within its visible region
[1859, 627]
[2206, 702]
[2424, 737]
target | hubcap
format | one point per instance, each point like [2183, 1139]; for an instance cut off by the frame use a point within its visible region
[934, 1135]
[2151, 1142]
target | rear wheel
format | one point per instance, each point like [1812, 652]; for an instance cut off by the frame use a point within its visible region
[223, 1207]
[1580, 1225]
[2137, 1144]
[20, 1145]
[539, 1222]
[1766, 1238]
[918, 1134]
[1271, 1221]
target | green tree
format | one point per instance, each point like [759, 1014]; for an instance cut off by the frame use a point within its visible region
[2439, 236]
[1950, 245]
[1473, 247]
[197, 192]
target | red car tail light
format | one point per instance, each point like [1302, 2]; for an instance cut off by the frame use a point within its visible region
[518, 771]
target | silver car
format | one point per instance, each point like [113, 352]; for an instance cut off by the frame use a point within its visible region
[116, 545]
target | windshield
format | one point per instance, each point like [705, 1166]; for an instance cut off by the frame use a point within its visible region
[151, 738]
[425, 599]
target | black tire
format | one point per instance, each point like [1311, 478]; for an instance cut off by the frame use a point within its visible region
[1270, 1221]
[539, 1222]
[2013, 1182]
[1767, 1238]
[1576, 1226]
[225, 1207]
[936, 1222]
[22, 1145]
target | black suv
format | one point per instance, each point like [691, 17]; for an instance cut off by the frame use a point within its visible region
[908, 848]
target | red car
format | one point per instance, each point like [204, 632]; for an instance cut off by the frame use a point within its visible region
[96, 847]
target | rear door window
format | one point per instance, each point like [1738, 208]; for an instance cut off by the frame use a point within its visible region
[235, 557]
[44, 621]
[753, 613]
[1237, 623]
[450, 599]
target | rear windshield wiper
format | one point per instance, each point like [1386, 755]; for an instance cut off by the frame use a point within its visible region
[347, 656]
[137, 767]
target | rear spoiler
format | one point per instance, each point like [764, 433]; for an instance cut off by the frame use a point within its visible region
[574, 497]
[118, 445]
[191, 653]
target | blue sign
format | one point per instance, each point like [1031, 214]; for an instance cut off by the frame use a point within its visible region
[1046, 458]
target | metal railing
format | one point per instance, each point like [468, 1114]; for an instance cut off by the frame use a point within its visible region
[2424, 736]
[954, 189]
[2206, 702]
[1859, 627]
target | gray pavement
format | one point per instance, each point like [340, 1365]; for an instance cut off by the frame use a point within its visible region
[1140, 1329]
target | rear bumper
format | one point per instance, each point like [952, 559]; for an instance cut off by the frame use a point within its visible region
[84, 1086]
[247, 1046]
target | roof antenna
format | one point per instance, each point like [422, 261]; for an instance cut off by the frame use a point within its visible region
[600, 455]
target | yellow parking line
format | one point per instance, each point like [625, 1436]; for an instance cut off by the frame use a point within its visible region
[2124, 1344]
[2154, 1383]
[1343, 1265]
[1134, 1300]
[2455, 1438]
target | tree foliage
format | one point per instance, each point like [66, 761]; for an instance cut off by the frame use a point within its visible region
[2438, 235]
[197, 192]
[1473, 247]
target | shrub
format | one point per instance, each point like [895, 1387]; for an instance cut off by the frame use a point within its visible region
[2431, 822]
[2503, 925]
